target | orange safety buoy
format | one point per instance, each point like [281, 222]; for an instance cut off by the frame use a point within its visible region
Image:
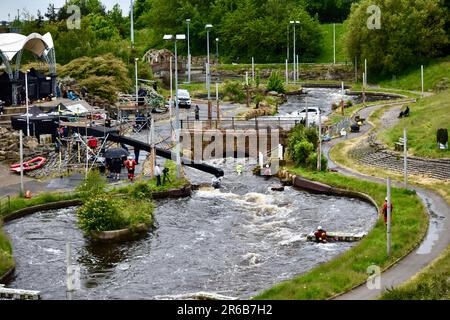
[28, 194]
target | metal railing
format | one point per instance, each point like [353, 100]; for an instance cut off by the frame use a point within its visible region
[240, 123]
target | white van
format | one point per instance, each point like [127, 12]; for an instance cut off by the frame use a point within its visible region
[184, 98]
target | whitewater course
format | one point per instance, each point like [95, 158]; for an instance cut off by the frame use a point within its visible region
[235, 241]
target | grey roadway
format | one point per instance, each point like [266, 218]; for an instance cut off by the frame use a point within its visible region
[435, 242]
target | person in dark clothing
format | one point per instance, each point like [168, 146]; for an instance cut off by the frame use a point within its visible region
[197, 113]
[404, 113]
[321, 235]
[165, 175]
[136, 155]
[117, 167]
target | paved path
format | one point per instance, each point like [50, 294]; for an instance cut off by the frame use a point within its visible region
[435, 242]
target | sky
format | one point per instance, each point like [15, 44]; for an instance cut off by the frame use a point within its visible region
[8, 6]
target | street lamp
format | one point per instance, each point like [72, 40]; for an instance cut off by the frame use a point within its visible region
[294, 23]
[136, 80]
[217, 50]
[189, 51]
[208, 72]
[26, 102]
[177, 111]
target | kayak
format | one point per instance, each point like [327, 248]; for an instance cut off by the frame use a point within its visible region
[32, 164]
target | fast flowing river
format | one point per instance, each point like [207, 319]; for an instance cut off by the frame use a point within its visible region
[235, 241]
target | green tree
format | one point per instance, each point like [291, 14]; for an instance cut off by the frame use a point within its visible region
[412, 32]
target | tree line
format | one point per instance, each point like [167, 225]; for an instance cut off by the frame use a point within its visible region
[411, 30]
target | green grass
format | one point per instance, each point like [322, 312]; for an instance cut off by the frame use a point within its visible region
[432, 283]
[409, 225]
[326, 55]
[6, 258]
[426, 116]
[411, 79]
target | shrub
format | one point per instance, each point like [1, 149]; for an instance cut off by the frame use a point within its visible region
[311, 162]
[275, 83]
[100, 213]
[301, 143]
[94, 184]
[141, 190]
[234, 91]
[302, 150]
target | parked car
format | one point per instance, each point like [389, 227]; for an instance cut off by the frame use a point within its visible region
[313, 115]
[184, 98]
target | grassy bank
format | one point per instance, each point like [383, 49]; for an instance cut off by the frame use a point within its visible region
[350, 268]
[432, 283]
[434, 72]
[426, 116]
[6, 258]
[326, 55]
[17, 203]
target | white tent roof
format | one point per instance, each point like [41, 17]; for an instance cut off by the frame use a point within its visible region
[11, 43]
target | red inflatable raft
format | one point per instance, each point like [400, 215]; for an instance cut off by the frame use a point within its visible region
[32, 164]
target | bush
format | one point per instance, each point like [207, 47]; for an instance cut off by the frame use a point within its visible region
[100, 213]
[275, 83]
[302, 142]
[302, 150]
[311, 162]
[94, 184]
[141, 190]
[234, 91]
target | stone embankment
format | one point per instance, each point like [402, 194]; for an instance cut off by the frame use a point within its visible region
[9, 147]
[376, 154]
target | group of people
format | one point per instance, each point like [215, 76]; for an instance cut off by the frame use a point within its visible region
[130, 164]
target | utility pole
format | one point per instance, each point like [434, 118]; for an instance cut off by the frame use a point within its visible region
[171, 99]
[405, 158]
[389, 216]
[287, 73]
[334, 43]
[132, 23]
[319, 153]
[21, 162]
[421, 76]
[189, 51]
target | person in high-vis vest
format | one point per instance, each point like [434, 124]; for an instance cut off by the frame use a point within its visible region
[130, 164]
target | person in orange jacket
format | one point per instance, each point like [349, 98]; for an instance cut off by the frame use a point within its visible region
[130, 164]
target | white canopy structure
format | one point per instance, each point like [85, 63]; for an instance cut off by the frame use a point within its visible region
[12, 46]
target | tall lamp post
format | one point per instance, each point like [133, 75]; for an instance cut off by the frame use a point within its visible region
[136, 80]
[177, 112]
[208, 72]
[189, 51]
[294, 55]
[26, 102]
[217, 50]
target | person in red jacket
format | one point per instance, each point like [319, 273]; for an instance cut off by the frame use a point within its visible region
[321, 235]
[130, 164]
[384, 210]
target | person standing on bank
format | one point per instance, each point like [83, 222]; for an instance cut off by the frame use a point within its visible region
[197, 113]
[384, 210]
[158, 175]
[130, 164]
